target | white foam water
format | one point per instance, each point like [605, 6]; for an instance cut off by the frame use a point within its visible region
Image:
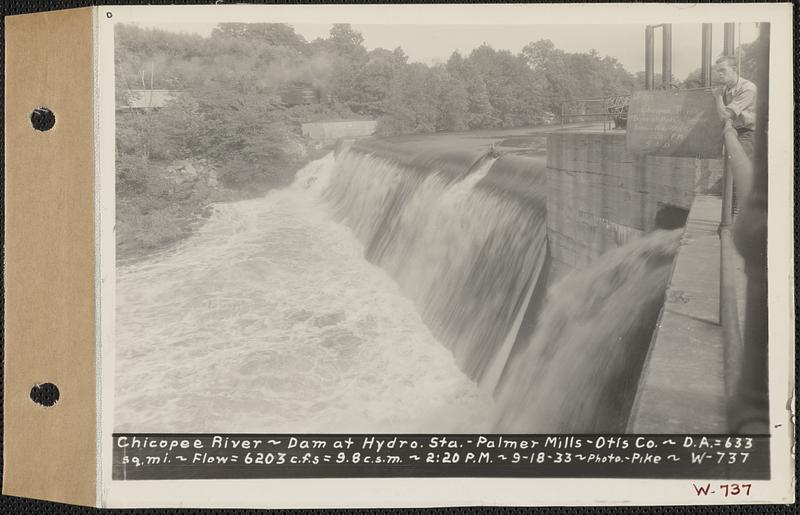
[270, 319]
[374, 296]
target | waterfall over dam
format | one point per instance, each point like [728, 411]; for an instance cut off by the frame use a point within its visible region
[463, 245]
[399, 286]
[466, 240]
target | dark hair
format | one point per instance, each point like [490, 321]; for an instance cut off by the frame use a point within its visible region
[730, 60]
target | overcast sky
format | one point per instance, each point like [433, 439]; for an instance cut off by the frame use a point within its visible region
[434, 43]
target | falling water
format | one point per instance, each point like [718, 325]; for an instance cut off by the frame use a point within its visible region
[271, 320]
[581, 367]
[382, 292]
[464, 244]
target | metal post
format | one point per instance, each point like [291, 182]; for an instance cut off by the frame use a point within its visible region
[727, 208]
[648, 57]
[706, 53]
[727, 192]
[728, 316]
[728, 39]
[666, 55]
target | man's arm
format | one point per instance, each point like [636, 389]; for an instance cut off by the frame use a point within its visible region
[744, 99]
[722, 110]
[739, 163]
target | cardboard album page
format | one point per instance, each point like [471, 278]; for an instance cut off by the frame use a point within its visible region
[50, 448]
[400, 255]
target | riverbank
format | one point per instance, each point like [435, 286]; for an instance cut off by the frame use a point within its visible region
[177, 200]
[169, 201]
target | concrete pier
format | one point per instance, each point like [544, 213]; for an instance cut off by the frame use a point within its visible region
[600, 196]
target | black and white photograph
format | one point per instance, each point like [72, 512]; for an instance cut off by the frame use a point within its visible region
[399, 255]
[338, 228]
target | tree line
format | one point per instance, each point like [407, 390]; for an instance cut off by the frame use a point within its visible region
[229, 112]
[489, 88]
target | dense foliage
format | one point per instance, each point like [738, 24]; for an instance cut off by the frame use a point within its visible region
[250, 63]
[748, 53]
[228, 107]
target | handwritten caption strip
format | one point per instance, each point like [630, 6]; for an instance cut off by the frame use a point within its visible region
[238, 456]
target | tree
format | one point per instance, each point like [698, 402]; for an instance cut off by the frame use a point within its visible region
[376, 77]
[515, 91]
[254, 63]
[346, 40]
[750, 53]
[348, 56]
[273, 34]
[452, 100]
[573, 76]
[251, 136]
[479, 109]
[692, 81]
[551, 64]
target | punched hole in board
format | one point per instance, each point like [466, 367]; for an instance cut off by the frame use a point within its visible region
[43, 119]
[45, 394]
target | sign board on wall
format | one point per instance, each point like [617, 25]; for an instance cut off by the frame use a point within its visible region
[674, 123]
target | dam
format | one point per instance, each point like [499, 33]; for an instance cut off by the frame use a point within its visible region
[557, 261]
[503, 281]
[574, 278]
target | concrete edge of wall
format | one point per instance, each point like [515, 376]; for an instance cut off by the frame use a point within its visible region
[681, 388]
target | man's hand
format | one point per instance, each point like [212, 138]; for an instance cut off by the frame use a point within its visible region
[729, 127]
[722, 111]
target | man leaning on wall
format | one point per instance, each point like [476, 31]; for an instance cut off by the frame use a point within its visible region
[736, 101]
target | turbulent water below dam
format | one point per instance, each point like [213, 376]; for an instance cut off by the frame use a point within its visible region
[384, 293]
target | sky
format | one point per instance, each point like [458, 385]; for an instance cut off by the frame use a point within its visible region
[435, 43]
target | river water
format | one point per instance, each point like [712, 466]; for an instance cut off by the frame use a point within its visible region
[384, 293]
[270, 319]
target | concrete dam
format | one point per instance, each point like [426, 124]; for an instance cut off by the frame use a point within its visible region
[542, 267]
[497, 281]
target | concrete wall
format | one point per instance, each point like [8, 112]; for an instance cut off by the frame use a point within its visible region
[600, 196]
[329, 132]
[682, 386]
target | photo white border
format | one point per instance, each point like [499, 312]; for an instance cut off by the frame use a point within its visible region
[418, 492]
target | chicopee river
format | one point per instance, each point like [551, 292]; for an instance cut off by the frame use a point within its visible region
[270, 319]
[384, 292]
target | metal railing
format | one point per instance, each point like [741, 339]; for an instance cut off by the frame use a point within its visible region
[611, 110]
[745, 347]
[728, 305]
